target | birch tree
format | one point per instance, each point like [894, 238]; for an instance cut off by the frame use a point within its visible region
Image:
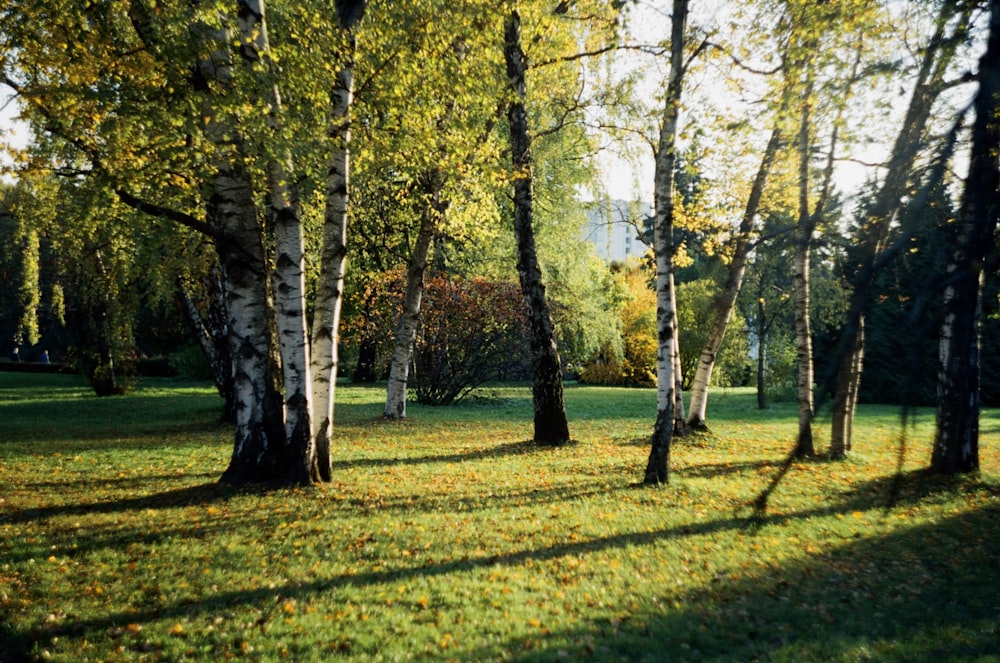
[956, 441]
[658, 464]
[222, 148]
[324, 357]
[873, 240]
[725, 302]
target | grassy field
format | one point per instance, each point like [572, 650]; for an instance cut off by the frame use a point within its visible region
[449, 537]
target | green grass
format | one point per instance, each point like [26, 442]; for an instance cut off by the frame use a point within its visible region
[449, 537]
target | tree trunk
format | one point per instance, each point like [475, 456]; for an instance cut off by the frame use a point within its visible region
[956, 443]
[930, 82]
[550, 424]
[333, 263]
[211, 337]
[846, 397]
[803, 247]
[259, 435]
[761, 353]
[658, 464]
[409, 317]
[258, 445]
[726, 301]
[289, 264]
[680, 424]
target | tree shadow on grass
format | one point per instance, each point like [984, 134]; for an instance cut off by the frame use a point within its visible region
[927, 593]
[711, 470]
[903, 589]
[497, 451]
[200, 494]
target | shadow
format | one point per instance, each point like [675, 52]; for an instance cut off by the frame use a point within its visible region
[927, 593]
[137, 482]
[710, 470]
[498, 451]
[741, 615]
[201, 494]
[737, 616]
[417, 503]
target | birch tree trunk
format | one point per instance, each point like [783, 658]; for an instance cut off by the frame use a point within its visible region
[259, 435]
[879, 217]
[409, 317]
[726, 301]
[846, 397]
[289, 264]
[658, 464]
[761, 352]
[550, 424]
[333, 263]
[956, 442]
[800, 280]
[210, 332]
[680, 424]
[258, 446]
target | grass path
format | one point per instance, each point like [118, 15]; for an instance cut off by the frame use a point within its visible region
[448, 537]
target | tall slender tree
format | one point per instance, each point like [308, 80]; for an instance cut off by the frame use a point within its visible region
[324, 340]
[658, 464]
[873, 238]
[550, 424]
[956, 442]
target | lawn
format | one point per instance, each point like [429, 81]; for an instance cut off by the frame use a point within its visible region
[450, 537]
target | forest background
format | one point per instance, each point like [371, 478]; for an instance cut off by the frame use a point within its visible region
[140, 112]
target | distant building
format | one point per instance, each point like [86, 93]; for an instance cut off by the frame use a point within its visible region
[616, 228]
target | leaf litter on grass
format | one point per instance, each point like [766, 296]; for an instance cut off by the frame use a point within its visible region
[451, 538]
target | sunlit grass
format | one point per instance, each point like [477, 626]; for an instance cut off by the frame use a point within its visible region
[450, 537]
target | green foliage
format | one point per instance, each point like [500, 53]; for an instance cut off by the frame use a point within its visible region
[463, 542]
[695, 310]
[189, 362]
[632, 360]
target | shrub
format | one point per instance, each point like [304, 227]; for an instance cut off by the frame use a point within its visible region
[634, 363]
[472, 331]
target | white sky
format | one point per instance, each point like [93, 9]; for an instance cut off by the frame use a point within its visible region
[12, 133]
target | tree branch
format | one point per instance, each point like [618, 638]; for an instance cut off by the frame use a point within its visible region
[153, 209]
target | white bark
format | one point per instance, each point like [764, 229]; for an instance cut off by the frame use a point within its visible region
[657, 466]
[330, 289]
[406, 331]
[726, 301]
[680, 424]
[289, 266]
[800, 281]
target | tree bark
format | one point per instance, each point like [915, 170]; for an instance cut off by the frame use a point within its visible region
[956, 443]
[289, 264]
[259, 434]
[680, 423]
[803, 247]
[333, 263]
[409, 317]
[846, 397]
[211, 337]
[231, 211]
[761, 353]
[726, 301]
[550, 424]
[930, 82]
[658, 464]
